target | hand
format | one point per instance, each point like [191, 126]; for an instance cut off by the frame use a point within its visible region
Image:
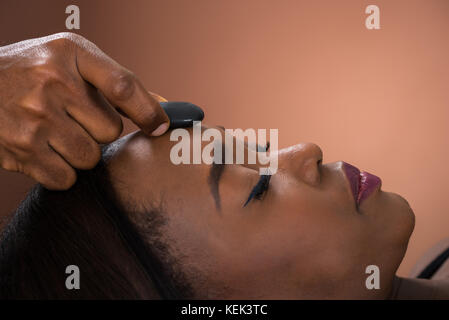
[59, 97]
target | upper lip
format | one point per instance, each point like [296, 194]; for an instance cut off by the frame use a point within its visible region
[362, 183]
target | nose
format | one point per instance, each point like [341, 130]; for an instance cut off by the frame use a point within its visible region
[303, 161]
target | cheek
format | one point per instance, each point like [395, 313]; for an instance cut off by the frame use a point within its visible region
[285, 235]
[310, 235]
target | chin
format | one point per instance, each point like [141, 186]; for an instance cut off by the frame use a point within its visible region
[404, 218]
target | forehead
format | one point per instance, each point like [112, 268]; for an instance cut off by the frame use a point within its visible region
[140, 148]
[138, 152]
[140, 168]
[144, 149]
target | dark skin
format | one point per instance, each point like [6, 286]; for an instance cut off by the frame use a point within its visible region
[60, 96]
[304, 239]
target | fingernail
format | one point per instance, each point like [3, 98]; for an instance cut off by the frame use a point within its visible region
[161, 99]
[158, 97]
[160, 130]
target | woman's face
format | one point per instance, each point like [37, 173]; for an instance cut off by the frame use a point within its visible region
[304, 238]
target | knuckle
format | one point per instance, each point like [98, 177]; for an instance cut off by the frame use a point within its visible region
[27, 139]
[10, 164]
[48, 73]
[35, 108]
[67, 38]
[24, 143]
[123, 86]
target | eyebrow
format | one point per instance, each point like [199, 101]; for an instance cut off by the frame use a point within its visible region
[216, 171]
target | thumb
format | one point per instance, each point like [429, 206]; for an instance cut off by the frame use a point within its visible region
[122, 89]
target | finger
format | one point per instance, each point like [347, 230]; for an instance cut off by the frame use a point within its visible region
[122, 89]
[74, 144]
[51, 170]
[155, 96]
[96, 116]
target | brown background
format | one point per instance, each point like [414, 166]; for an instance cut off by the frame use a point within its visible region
[375, 98]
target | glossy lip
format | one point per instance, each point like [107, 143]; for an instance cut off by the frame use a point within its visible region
[362, 183]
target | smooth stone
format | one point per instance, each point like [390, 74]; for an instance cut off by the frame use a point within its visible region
[182, 114]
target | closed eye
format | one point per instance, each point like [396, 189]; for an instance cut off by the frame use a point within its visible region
[216, 172]
[259, 189]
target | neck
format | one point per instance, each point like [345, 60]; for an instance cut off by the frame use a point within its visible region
[413, 289]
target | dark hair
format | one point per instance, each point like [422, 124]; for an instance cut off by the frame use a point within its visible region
[86, 227]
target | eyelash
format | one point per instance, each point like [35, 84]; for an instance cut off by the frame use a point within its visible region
[259, 189]
[264, 182]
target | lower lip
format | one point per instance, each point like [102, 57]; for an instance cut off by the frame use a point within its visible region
[362, 183]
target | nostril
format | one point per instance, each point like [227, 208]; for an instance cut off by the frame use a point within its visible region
[304, 161]
[310, 173]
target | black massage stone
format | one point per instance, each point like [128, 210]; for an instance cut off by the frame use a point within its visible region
[182, 114]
